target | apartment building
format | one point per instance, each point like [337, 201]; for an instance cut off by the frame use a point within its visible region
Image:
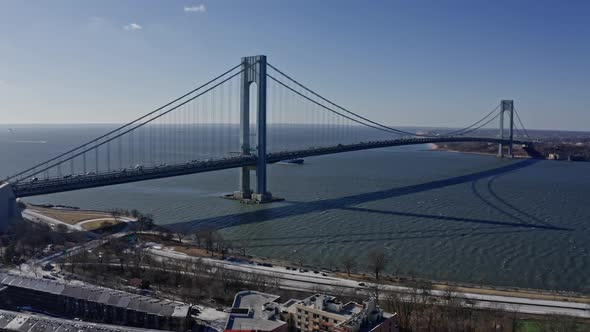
[90, 303]
[21, 322]
[255, 311]
[325, 313]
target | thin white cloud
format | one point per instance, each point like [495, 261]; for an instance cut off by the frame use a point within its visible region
[96, 20]
[196, 9]
[2, 82]
[132, 27]
[96, 23]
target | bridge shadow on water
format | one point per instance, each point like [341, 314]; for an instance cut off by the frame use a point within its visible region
[349, 203]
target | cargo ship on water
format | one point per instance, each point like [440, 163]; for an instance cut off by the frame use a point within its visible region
[297, 161]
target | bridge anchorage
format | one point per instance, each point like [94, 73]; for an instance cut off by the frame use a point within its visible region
[227, 124]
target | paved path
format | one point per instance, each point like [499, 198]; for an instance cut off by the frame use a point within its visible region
[122, 219]
[36, 216]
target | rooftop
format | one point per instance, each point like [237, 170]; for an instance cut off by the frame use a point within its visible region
[253, 310]
[329, 304]
[13, 321]
[99, 295]
[290, 303]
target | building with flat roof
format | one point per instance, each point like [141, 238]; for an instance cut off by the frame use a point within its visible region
[91, 303]
[255, 311]
[321, 312]
[16, 321]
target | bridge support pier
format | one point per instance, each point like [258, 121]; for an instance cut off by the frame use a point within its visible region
[9, 210]
[506, 106]
[254, 71]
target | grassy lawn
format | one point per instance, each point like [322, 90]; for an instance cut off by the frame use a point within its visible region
[100, 223]
[71, 217]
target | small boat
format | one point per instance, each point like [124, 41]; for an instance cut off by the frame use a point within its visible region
[297, 161]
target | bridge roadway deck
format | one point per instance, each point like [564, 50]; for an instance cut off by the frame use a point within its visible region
[27, 188]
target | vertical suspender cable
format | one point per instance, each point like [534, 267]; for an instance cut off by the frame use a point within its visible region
[72, 165]
[108, 156]
[229, 127]
[221, 125]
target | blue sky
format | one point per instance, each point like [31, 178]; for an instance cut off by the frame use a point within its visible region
[438, 63]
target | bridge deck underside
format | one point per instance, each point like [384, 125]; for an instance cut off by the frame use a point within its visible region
[85, 181]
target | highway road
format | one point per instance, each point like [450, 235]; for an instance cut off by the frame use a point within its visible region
[312, 282]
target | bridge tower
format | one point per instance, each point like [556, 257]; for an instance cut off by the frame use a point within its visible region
[506, 106]
[254, 71]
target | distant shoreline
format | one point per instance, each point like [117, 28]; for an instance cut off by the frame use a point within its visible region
[435, 147]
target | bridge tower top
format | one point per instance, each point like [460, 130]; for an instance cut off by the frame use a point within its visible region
[507, 105]
[254, 69]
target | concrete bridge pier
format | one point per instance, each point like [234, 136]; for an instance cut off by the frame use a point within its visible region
[9, 210]
[254, 71]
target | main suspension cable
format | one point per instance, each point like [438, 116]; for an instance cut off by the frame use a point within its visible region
[399, 131]
[460, 132]
[324, 106]
[144, 123]
[482, 125]
[389, 129]
[522, 124]
[126, 125]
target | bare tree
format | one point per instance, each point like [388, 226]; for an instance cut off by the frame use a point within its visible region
[377, 261]
[424, 289]
[197, 266]
[275, 280]
[34, 267]
[220, 243]
[375, 289]
[348, 264]
[210, 237]
[198, 237]
[180, 235]
[402, 305]
[115, 214]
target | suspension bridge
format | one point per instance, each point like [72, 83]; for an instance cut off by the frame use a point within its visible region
[247, 117]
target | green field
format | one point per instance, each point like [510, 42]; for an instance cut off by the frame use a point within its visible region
[557, 325]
